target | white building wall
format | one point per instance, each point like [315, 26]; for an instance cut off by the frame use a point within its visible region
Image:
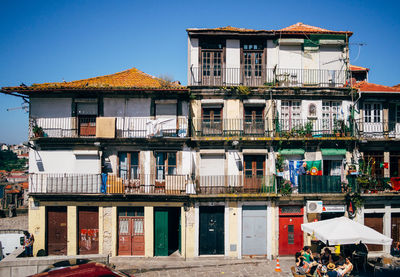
[193, 57]
[63, 161]
[311, 59]
[272, 54]
[290, 56]
[331, 58]
[235, 162]
[50, 107]
[232, 61]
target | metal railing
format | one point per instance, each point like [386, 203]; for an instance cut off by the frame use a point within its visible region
[272, 128]
[379, 130]
[320, 184]
[261, 76]
[126, 127]
[222, 184]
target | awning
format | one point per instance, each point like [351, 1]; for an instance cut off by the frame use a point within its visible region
[333, 152]
[295, 151]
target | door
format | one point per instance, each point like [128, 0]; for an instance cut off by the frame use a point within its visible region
[211, 68]
[88, 226]
[373, 125]
[253, 64]
[87, 113]
[396, 226]
[57, 230]
[254, 121]
[290, 115]
[211, 121]
[160, 232]
[290, 234]
[374, 221]
[211, 233]
[131, 235]
[254, 230]
[254, 173]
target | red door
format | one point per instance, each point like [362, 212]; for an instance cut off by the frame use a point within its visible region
[374, 221]
[290, 234]
[57, 230]
[131, 235]
[88, 218]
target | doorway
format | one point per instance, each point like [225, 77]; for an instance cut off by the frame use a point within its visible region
[88, 226]
[167, 238]
[57, 230]
[254, 230]
[131, 231]
[211, 231]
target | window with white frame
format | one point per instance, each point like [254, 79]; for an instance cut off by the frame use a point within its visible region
[330, 113]
[290, 113]
[372, 112]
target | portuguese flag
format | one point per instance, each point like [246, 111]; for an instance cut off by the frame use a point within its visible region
[314, 167]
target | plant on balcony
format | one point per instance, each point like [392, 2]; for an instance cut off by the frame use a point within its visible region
[285, 188]
[308, 128]
[37, 131]
[279, 161]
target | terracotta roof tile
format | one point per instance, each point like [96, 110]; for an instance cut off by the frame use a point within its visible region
[225, 29]
[397, 86]
[358, 68]
[300, 27]
[365, 86]
[131, 78]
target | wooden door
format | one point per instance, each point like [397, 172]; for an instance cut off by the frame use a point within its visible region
[57, 230]
[211, 235]
[211, 68]
[254, 173]
[254, 121]
[160, 232]
[131, 235]
[211, 121]
[374, 221]
[395, 226]
[290, 234]
[88, 226]
[87, 125]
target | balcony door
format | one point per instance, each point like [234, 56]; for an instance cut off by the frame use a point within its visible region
[290, 115]
[87, 113]
[211, 121]
[253, 64]
[165, 166]
[211, 68]
[330, 115]
[254, 168]
[254, 120]
[373, 123]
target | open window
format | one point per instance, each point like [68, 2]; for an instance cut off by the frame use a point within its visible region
[86, 111]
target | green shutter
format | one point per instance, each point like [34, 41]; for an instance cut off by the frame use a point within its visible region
[333, 152]
[296, 151]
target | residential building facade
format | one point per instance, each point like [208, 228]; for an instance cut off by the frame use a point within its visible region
[268, 134]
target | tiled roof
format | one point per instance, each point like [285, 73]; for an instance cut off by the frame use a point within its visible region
[397, 86]
[358, 68]
[226, 29]
[365, 86]
[131, 78]
[300, 27]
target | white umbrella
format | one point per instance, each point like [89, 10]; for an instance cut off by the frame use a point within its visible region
[342, 230]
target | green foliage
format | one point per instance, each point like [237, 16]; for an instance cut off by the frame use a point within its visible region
[285, 188]
[10, 161]
[279, 162]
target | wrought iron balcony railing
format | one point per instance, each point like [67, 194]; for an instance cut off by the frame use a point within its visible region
[203, 127]
[379, 130]
[255, 76]
[125, 127]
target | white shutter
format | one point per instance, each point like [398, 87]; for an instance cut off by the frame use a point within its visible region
[212, 165]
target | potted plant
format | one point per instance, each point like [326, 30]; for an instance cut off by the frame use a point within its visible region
[38, 131]
[308, 128]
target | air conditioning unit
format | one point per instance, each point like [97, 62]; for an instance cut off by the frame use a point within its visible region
[314, 207]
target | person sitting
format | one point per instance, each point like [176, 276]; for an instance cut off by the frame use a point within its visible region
[331, 270]
[344, 270]
[395, 250]
[302, 267]
[308, 256]
[326, 257]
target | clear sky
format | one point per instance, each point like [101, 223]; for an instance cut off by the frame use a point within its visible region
[48, 41]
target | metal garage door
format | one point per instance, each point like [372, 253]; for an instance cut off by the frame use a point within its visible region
[254, 230]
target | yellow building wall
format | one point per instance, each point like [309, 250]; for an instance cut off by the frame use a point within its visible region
[149, 231]
[233, 229]
[72, 229]
[37, 226]
[233, 109]
[101, 229]
[188, 230]
[114, 231]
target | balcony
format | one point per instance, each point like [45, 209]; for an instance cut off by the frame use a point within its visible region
[319, 184]
[224, 184]
[47, 183]
[379, 130]
[124, 127]
[262, 76]
[296, 128]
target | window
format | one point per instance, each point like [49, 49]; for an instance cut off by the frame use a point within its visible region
[252, 60]
[312, 110]
[290, 114]
[211, 58]
[254, 165]
[165, 164]
[254, 120]
[86, 110]
[372, 112]
[128, 165]
[330, 113]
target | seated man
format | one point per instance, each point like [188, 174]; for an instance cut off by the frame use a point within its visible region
[331, 270]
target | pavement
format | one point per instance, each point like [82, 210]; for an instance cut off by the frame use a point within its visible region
[202, 266]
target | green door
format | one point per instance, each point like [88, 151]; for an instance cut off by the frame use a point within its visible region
[160, 232]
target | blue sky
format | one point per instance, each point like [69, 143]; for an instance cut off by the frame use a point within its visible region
[48, 41]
